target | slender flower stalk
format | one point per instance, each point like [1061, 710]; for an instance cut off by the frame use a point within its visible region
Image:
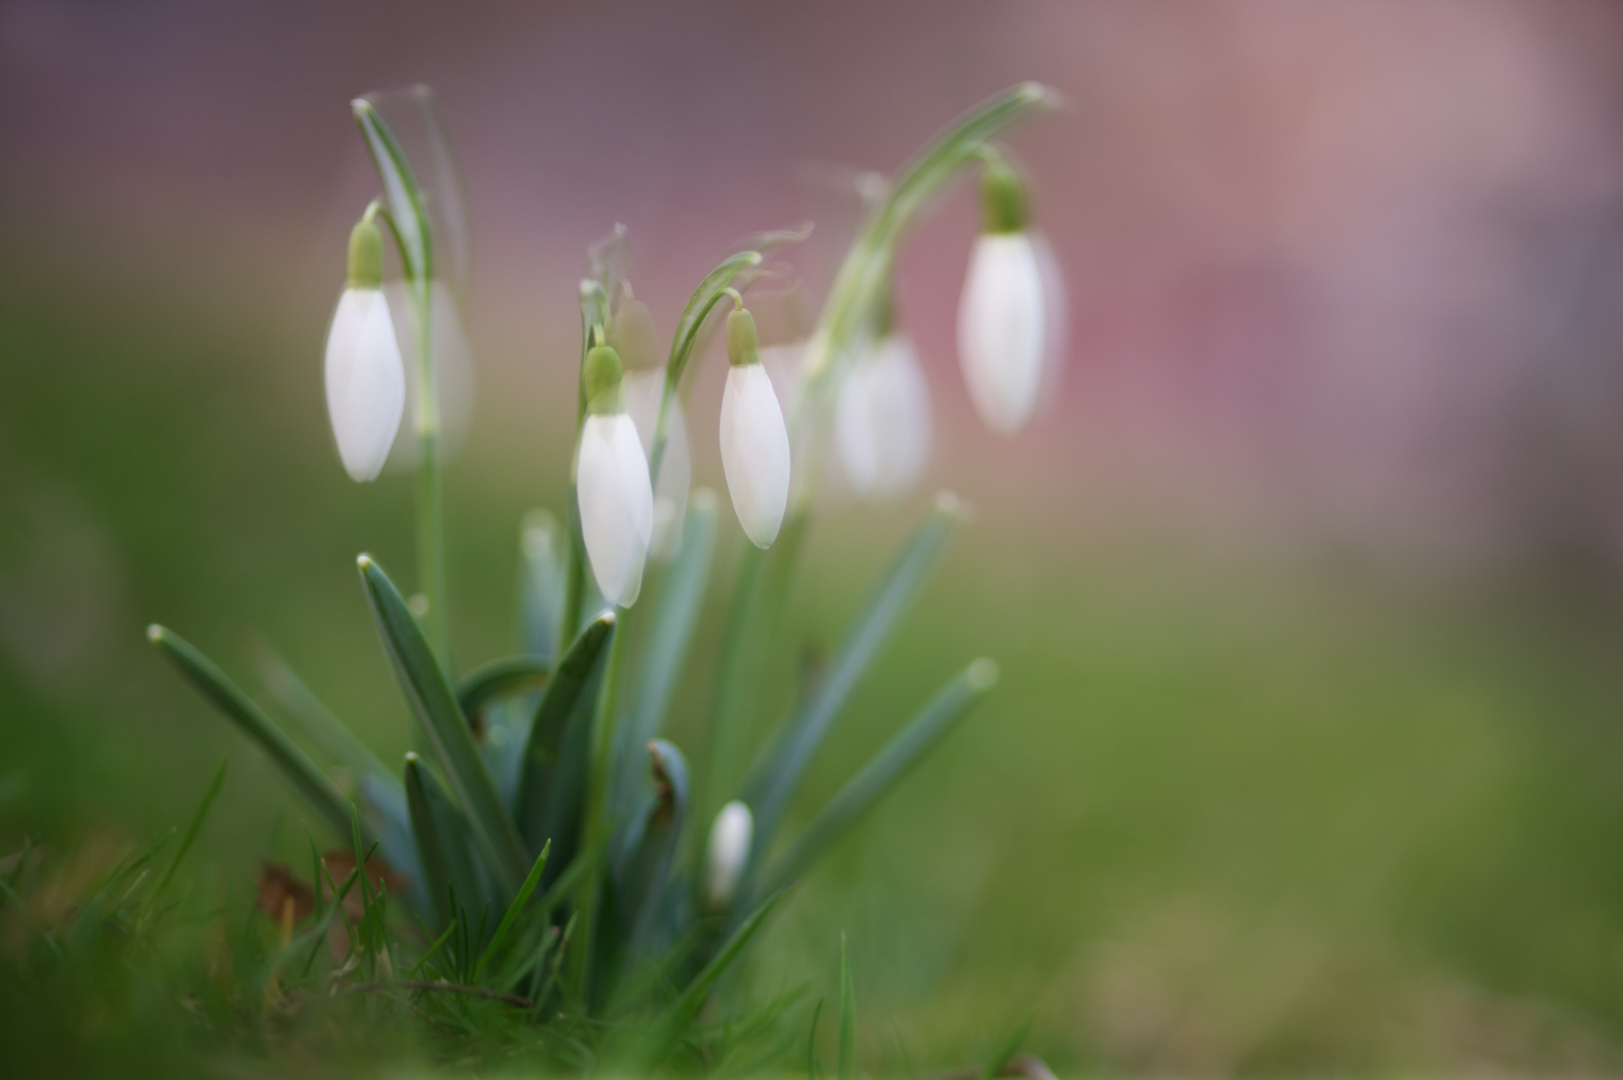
[729, 848]
[365, 377]
[1002, 324]
[754, 440]
[611, 484]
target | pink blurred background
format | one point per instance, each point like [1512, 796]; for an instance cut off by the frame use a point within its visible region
[1337, 271]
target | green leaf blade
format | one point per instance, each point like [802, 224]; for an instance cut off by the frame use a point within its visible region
[294, 764]
[442, 722]
[774, 784]
[927, 728]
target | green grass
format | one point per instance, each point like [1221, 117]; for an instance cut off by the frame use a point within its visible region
[1225, 812]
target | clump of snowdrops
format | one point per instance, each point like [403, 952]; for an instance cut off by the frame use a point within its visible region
[552, 852]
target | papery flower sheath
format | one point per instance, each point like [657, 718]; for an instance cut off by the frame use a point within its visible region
[365, 377]
[611, 485]
[729, 850]
[882, 424]
[1002, 325]
[754, 439]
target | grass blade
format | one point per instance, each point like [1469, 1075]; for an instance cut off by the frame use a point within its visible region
[921, 734]
[514, 909]
[544, 752]
[186, 841]
[667, 1030]
[775, 783]
[447, 731]
[812, 1071]
[847, 1063]
[294, 763]
[498, 679]
[1007, 1049]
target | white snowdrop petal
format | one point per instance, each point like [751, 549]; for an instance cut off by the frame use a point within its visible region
[366, 381]
[755, 452]
[1001, 330]
[643, 390]
[728, 851]
[882, 422]
[616, 505]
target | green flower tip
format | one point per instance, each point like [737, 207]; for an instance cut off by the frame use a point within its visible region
[743, 344]
[602, 375]
[365, 256]
[1003, 198]
[983, 674]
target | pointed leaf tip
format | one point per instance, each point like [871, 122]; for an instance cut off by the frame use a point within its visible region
[948, 502]
[155, 633]
[983, 673]
[364, 561]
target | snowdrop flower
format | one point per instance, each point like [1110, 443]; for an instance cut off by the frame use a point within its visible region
[643, 390]
[729, 850]
[1002, 325]
[882, 421]
[754, 440]
[366, 380]
[611, 484]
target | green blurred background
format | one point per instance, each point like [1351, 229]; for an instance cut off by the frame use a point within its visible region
[1308, 753]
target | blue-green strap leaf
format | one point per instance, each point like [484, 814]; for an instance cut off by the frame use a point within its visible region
[859, 795]
[498, 679]
[643, 871]
[444, 845]
[295, 765]
[681, 598]
[544, 750]
[772, 786]
[445, 728]
[543, 582]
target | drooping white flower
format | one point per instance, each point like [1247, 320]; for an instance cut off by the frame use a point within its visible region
[729, 850]
[754, 439]
[643, 390]
[612, 490]
[882, 422]
[366, 380]
[1002, 325]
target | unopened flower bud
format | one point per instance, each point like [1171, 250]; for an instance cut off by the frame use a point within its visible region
[729, 850]
[611, 485]
[754, 439]
[365, 377]
[1002, 325]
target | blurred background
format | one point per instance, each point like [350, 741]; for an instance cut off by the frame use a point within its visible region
[1305, 583]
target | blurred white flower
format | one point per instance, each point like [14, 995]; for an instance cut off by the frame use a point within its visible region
[729, 850]
[1001, 330]
[882, 423]
[612, 490]
[451, 360]
[643, 390]
[754, 439]
[366, 380]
